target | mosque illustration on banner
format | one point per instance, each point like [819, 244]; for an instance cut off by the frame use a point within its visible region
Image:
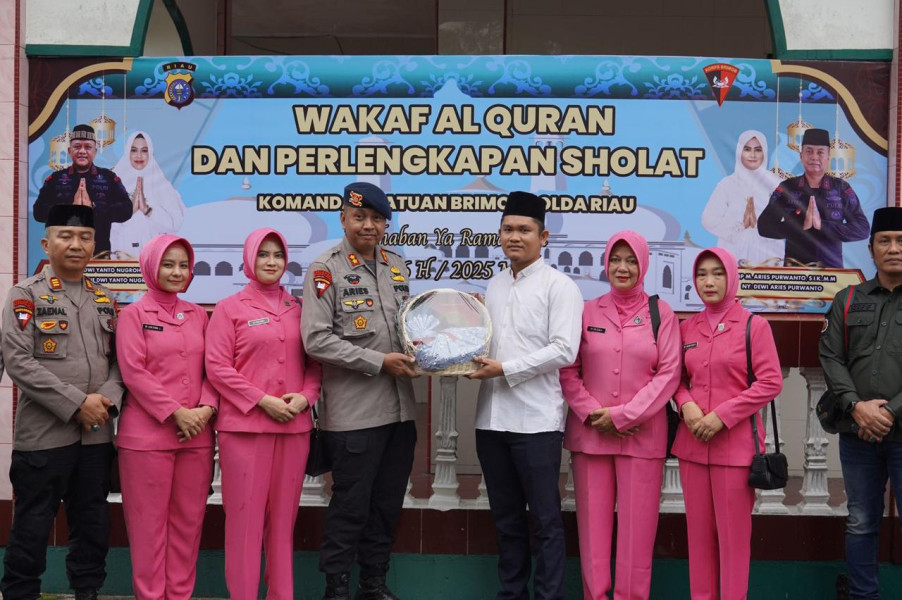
[576, 244]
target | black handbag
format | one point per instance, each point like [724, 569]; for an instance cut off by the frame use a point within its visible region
[770, 470]
[318, 461]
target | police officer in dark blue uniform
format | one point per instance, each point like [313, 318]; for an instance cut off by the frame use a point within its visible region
[86, 184]
[814, 213]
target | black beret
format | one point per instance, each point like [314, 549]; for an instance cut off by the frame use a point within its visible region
[82, 132]
[816, 137]
[366, 195]
[524, 204]
[70, 215]
[888, 218]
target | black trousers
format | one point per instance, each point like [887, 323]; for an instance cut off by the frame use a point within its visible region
[522, 470]
[79, 476]
[370, 470]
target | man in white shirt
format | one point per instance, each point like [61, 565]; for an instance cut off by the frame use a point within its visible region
[537, 315]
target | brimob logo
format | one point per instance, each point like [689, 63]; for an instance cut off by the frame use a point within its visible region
[721, 77]
[179, 84]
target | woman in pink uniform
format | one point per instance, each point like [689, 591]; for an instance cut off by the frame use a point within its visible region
[714, 441]
[256, 361]
[616, 427]
[165, 446]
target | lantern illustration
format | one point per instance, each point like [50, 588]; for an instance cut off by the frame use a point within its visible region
[59, 152]
[104, 130]
[795, 131]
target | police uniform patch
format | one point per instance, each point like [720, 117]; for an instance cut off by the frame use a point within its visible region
[48, 346]
[24, 310]
[355, 303]
[360, 322]
[825, 325]
[355, 199]
[99, 293]
[64, 324]
[101, 300]
[383, 255]
[352, 258]
[88, 284]
[56, 284]
[369, 301]
[352, 279]
[396, 274]
[45, 325]
[48, 298]
[322, 280]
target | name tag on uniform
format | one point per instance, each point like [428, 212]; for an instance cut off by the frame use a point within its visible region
[152, 327]
[256, 322]
[863, 307]
[595, 329]
[688, 346]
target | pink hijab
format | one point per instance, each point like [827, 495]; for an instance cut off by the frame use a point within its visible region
[715, 312]
[628, 302]
[150, 259]
[251, 247]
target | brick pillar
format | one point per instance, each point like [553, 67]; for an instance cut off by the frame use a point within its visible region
[13, 190]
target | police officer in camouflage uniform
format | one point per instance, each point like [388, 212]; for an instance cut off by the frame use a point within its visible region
[814, 213]
[351, 298]
[862, 360]
[86, 184]
[58, 349]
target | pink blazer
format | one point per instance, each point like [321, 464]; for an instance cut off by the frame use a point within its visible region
[252, 350]
[162, 362]
[623, 368]
[714, 377]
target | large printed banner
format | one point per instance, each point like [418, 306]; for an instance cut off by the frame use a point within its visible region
[690, 152]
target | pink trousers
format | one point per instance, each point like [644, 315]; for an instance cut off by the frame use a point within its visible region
[719, 503]
[164, 496]
[262, 478]
[634, 486]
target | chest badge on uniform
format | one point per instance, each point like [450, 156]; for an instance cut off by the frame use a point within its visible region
[64, 324]
[720, 326]
[637, 320]
[352, 279]
[180, 316]
[45, 325]
[360, 322]
[353, 303]
[48, 346]
[369, 301]
[352, 258]
[56, 284]
[396, 274]
[24, 310]
[48, 298]
[322, 280]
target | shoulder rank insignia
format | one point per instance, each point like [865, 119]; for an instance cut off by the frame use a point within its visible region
[396, 274]
[352, 258]
[99, 292]
[45, 325]
[354, 303]
[360, 322]
[322, 281]
[24, 310]
[101, 300]
[49, 346]
[56, 284]
[384, 255]
[48, 298]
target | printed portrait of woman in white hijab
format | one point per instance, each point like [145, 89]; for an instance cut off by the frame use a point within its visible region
[735, 204]
[157, 206]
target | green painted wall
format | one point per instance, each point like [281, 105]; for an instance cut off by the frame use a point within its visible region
[458, 577]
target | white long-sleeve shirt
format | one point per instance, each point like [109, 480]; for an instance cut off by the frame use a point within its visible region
[536, 321]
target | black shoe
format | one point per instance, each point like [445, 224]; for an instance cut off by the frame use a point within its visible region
[338, 586]
[86, 594]
[842, 587]
[372, 583]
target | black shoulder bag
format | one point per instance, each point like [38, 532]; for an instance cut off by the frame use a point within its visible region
[769, 471]
[673, 417]
[318, 460]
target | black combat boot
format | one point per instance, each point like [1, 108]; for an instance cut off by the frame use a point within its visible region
[338, 586]
[372, 583]
[86, 594]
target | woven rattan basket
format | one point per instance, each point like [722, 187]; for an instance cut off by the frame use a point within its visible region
[410, 348]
